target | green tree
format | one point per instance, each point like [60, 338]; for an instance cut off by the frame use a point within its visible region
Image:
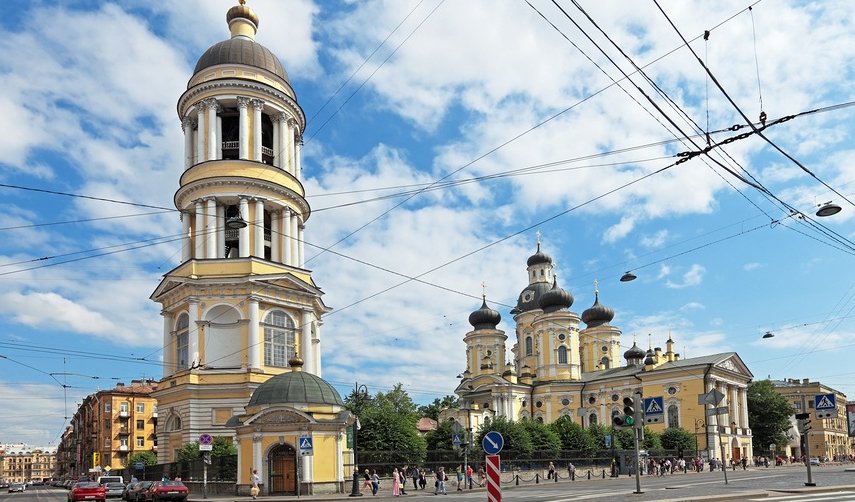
[146, 457]
[516, 437]
[678, 438]
[221, 447]
[625, 439]
[768, 413]
[542, 437]
[433, 409]
[399, 402]
[189, 452]
[572, 435]
[440, 438]
[652, 441]
[388, 423]
[598, 433]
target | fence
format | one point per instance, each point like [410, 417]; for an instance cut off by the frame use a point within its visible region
[222, 469]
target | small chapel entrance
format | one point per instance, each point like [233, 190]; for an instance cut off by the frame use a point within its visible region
[736, 452]
[282, 472]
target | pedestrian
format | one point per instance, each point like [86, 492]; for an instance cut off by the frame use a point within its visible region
[469, 475]
[459, 478]
[396, 483]
[551, 471]
[366, 481]
[439, 484]
[571, 471]
[403, 476]
[416, 478]
[178, 477]
[375, 482]
[255, 479]
[422, 479]
[744, 463]
[481, 475]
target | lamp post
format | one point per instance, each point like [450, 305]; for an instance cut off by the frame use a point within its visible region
[699, 422]
[360, 393]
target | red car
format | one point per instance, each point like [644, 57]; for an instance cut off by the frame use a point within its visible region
[87, 490]
[166, 490]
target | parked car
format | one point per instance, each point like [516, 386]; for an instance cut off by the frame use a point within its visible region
[87, 490]
[114, 490]
[166, 490]
[814, 461]
[4, 485]
[16, 487]
[137, 491]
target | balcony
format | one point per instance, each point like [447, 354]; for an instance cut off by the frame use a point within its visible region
[124, 414]
[123, 447]
[154, 413]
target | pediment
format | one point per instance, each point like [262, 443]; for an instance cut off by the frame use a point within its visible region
[735, 364]
[279, 416]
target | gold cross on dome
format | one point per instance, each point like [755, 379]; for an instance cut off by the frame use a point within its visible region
[537, 233]
[484, 290]
[596, 286]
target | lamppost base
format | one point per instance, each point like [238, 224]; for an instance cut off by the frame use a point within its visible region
[354, 492]
[638, 493]
[810, 484]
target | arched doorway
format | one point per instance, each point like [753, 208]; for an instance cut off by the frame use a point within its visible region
[737, 453]
[282, 470]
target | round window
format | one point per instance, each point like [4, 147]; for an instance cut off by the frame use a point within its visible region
[486, 405]
[538, 404]
[672, 390]
[605, 349]
[592, 399]
[565, 401]
[561, 336]
[615, 397]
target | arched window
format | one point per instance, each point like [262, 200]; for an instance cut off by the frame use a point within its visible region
[529, 350]
[182, 342]
[174, 423]
[562, 354]
[605, 362]
[278, 339]
[673, 416]
[592, 419]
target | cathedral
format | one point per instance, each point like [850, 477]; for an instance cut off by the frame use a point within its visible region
[560, 368]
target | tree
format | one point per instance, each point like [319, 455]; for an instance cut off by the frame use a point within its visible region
[542, 438]
[652, 441]
[433, 409]
[388, 423]
[598, 434]
[572, 435]
[516, 437]
[399, 402]
[221, 447]
[769, 414]
[146, 457]
[678, 438]
[440, 438]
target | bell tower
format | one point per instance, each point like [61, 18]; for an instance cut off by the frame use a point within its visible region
[241, 303]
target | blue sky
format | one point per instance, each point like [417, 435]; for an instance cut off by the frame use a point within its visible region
[456, 91]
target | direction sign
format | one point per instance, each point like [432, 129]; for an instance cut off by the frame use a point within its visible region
[306, 446]
[493, 443]
[206, 439]
[721, 410]
[711, 398]
[139, 466]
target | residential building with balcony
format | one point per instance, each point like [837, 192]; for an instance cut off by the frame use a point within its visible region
[21, 463]
[829, 437]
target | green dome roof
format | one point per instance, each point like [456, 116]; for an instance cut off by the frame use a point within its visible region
[295, 387]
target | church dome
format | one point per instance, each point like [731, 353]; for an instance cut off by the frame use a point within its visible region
[597, 314]
[556, 298]
[529, 298]
[650, 359]
[634, 352]
[295, 387]
[484, 317]
[538, 257]
[242, 11]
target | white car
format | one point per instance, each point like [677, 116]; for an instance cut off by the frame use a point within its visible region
[814, 461]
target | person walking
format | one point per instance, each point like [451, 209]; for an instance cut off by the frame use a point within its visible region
[440, 482]
[416, 478]
[571, 471]
[366, 481]
[459, 478]
[422, 479]
[469, 472]
[256, 479]
[396, 483]
[375, 482]
[403, 476]
[481, 475]
[551, 472]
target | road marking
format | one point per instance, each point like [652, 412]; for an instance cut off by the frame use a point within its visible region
[812, 497]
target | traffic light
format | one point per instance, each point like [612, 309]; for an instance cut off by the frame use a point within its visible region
[629, 414]
[638, 415]
[803, 422]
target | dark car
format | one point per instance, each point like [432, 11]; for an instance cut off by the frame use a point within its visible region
[114, 490]
[137, 492]
[166, 490]
[87, 490]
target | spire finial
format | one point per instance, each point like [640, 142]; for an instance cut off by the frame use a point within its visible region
[596, 287]
[649, 341]
[242, 2]
[484, 290]
[537, 233]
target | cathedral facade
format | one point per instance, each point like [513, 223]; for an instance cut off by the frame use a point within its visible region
[562, 364]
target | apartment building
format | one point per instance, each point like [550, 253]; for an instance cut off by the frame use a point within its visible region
[829, 437]
[20, 463]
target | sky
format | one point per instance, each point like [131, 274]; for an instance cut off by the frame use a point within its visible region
[442, 136]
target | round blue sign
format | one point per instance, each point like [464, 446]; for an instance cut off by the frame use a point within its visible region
[493, 443]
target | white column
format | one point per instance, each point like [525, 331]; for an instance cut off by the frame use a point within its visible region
[306, 342]
[289, 147]
[199, 236]
[258, 229]
[743, 402]
[277, 126]
[193, 335]
[243, 247]
[275, 237]
[168, 346]
[294, 236]
[286, 240]
[257, 106]
[211, 229]
[316, 348]
[186, 251]
[282, 153]
[298, 154]
[200, 132]
[219, 137]
[307, 465]
[211, 122]
[243, 129]
[300, 247]
[221, 231]
[187, 126]
[254, 339]
[257, 462]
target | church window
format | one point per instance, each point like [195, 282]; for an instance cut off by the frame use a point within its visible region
[267, 139]
[592, 419]
[565, 401]
[592, 399]
[540, 419]
[562, 355]
[561, 336]
[174, 424]
[278, 339]
[605, 362]
[673, 416]
[615, 397]
[539, 404]
[528, 346]
[182, 342]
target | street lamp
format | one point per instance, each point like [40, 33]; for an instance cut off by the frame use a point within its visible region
[360, 393]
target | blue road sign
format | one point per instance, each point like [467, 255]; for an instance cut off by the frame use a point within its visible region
[493, 443]
[139, 466]
[824, 402]
[456, 439]
[206, 439]
[305, 444]
[653, 405]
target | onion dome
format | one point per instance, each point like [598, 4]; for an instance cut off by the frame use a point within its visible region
[484, 317]
[530, 297]
[295, 387]
[539, 257]
[650, 359]
[597, 314]
[296, 362]
[634, 353]
[556, 298]
[243, 12]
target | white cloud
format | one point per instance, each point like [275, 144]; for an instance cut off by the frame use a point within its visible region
[748, 267]
[693, 277]
[656, 240]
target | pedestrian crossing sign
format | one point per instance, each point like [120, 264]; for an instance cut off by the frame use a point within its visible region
[653, 406]
[306, 447]
[824, 402]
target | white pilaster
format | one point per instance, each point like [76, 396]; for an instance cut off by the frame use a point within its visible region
[277, 126]
[221, 230]
[243, 130]
[211, 228]
[258, 229]
[290, 152]
[168, 346]
[743, 403]
[193, 334]
[298, 154]
[300, 246]
[200, 132]
[307, 467]
[186, 251]
[254, 339]
[219, 139]
[243, 247]
[274, 237]
[257, 459]
[294, 239]
[257, 106]
[187, 127]
[211, 122]
[286, 237]
[306, 342]
[316, 348]
[199, 237]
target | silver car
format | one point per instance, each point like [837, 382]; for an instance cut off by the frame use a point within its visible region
[16, 487]
[114, 490]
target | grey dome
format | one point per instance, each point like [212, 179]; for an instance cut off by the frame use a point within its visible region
[485, 317]
[538, 257]
[241, 50]
[634, 352]
[530, 297]
[295, 387]
[556, 298]
[597, 314]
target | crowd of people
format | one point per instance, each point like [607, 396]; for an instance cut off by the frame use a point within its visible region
[420, 478]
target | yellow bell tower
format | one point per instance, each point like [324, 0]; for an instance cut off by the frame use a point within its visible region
[241, 303]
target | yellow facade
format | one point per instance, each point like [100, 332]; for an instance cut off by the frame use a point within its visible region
[828, 437]
[20, 463]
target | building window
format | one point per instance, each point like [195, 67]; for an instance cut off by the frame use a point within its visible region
[605, 362]
[528, 346]
[182, 342]
[562, 355]
[797, 405]
[278, 339]
[174, 424]
[123, 441]
[108, 407]
[124, 407]
[140, 424]
[140, 407]
[592, 419]
[140, 442]
[107, 444]
[673, 416]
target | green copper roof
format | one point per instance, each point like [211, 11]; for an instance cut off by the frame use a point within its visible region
[295, 387]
